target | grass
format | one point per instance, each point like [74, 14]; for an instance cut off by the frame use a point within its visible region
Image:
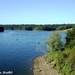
[64, 61]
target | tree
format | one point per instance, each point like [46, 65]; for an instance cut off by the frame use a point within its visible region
[70, 38]
[54, 42]
[1, 29]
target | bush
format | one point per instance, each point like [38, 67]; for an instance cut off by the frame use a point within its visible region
[54, 42]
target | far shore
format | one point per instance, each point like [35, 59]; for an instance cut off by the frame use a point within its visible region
[41, 67]
[63, 30]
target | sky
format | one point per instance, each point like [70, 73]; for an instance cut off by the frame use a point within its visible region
[37, 11]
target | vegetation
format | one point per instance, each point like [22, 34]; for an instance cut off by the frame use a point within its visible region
[1, 29]
[54, 42]
[64, 60]
[46, 27]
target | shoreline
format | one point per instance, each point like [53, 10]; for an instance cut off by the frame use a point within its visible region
[41, 67]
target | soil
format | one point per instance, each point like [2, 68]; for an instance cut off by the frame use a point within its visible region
[41, 67]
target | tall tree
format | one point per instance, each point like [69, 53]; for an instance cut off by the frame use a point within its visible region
[54, 42]
[70, 38]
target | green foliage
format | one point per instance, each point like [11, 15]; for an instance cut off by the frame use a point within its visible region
[38, 28]
[73, 73]
[50, 56]
[63, 27]
[54, 42]
[45, 27]
[64, 61]
[70, 38]
[71, 44]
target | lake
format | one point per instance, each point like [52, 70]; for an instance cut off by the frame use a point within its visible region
[18, 48]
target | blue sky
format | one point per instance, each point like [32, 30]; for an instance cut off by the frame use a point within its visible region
[37, 11]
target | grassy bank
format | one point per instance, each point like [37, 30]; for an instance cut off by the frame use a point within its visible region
[64, 59]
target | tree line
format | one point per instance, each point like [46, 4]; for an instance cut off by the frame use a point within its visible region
[45, 27]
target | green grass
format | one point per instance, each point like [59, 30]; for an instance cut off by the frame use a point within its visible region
[64, 61]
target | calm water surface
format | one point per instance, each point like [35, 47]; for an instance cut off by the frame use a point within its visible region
[18, 48]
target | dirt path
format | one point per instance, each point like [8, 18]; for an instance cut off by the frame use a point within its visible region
[40, 67]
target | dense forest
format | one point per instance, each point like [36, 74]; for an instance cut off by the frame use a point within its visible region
[45, 27]
[61, 53]
[1, 29]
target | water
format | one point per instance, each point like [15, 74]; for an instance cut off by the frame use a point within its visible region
[18, 48]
